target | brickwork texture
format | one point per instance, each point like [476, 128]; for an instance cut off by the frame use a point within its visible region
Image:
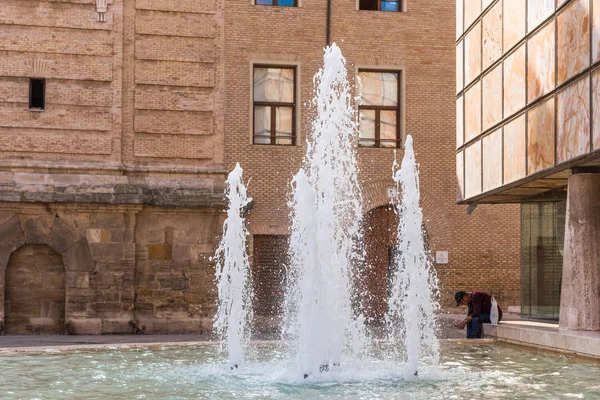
[120, 179]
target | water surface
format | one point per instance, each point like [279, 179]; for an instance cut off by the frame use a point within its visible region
[199, 372]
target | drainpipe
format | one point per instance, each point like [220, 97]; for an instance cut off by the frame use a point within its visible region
[328, 22]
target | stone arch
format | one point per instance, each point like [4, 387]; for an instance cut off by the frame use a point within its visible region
[66, 241]
[436, 219]
[35, 296]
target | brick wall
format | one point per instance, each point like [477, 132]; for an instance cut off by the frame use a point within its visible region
[144, 88]
[483, 247]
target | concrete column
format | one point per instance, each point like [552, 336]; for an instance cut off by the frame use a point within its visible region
[580, 297]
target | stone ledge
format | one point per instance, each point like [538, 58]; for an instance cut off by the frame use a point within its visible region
[113, 189]
[546, 336]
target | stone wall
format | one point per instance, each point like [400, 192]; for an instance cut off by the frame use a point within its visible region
[34, 299]
[130, 140]
[126, 268]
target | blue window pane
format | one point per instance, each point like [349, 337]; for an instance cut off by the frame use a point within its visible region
[285, 3]
[389, 6]
[264, 2]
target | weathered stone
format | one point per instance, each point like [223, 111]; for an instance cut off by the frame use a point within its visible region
[179, 284]
[94, 235]
[172, 310]
[580, 295]
[181, 252]
[107, 251]
[193, 297]
[78, 257]
[11, 234]
[160, 252]
[62, 236]
[36, 228]
[82, 280]
[144, 308]
[87, 326]
[117, 325]
[183, 325]
[108, 308]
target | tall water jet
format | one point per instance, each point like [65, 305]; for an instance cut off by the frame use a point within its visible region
[326, 228]
[412, 305]
[235, 294]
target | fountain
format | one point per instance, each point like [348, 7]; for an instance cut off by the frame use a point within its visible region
[325, 231]
[412, 308]
[332, 354]
[233, 274]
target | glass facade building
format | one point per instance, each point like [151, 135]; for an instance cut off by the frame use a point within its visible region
[527, 127]
[528, 96]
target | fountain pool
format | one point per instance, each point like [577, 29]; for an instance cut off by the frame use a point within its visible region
[201, 372]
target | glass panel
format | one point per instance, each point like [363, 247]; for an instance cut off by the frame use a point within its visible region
[367, 127]
[542, 237]
[387, 128]
[379, 88]
[368, 5]
[264, 2]
[573, 34]
[262, 125]
[389, 6]
[472, 62]
[283, 124]
[285, 3]
[274, 85]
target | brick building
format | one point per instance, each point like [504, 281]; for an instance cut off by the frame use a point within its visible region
[120, 118]
[417, 44]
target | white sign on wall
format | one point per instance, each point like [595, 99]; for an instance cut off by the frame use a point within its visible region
[392, 192]
[441, 257]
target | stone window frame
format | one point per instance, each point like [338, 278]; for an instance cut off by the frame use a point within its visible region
[401, 7]
[32, 103]
[297, 98]
[401, 119]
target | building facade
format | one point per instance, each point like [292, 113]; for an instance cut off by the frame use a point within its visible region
[405, 61]
[112, 160]
[119, 120]
[528, 131]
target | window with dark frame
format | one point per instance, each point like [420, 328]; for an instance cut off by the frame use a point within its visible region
[274, 105]
[37, 94]
[280, 3]
[381, 5]
[379, 109]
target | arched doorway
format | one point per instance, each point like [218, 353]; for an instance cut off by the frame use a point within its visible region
[34, 291]
[380, 238]
[380, 233]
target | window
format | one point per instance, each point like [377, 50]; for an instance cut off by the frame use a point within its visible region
[381, 5]
[274, 102]
[379, 109]
[281, 3]
[37, 93]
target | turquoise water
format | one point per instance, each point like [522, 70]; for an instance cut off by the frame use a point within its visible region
[466, 371]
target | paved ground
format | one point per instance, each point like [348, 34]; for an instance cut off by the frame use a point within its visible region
[35, 343]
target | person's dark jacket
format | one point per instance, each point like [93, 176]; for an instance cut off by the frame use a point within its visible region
[481, 303]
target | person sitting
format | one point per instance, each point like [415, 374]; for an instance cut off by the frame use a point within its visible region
[480, 306]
